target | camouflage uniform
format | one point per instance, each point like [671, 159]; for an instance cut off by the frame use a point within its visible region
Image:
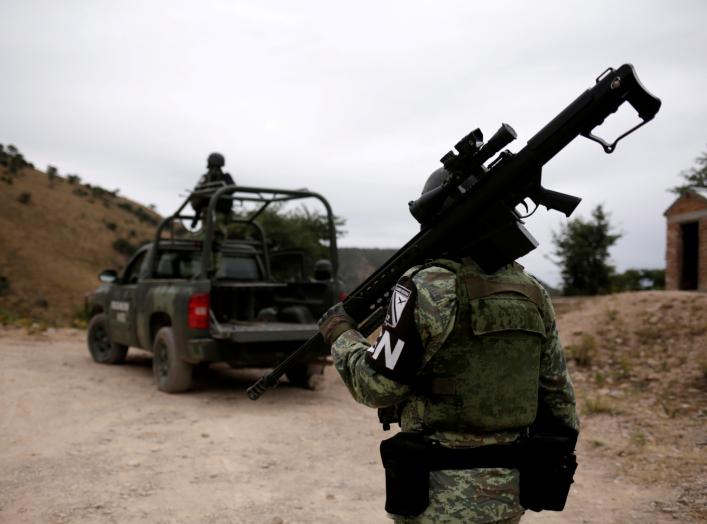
[214, 179]
[480, 495]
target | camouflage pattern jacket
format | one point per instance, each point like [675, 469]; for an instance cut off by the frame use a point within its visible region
[422, 327]
[213, 179]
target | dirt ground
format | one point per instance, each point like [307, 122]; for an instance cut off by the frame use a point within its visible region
[89, 443]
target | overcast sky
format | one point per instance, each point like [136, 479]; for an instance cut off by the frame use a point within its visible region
[355, 100]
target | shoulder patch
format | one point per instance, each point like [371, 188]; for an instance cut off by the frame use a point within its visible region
[397, 354]
[398, 301]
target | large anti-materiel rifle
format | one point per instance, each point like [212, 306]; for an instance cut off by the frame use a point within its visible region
[474, 209]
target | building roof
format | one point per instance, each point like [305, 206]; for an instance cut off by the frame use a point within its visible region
[697, 194]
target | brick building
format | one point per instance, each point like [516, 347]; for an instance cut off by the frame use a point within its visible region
[686, 251]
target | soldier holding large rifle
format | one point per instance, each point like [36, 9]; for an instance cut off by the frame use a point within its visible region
[469, 361]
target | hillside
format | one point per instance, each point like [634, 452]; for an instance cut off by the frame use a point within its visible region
[356, 264]
[56, 235]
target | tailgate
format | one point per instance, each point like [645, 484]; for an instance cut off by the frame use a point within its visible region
[254, 332]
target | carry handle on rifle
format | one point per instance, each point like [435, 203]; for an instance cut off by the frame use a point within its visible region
[645, 104]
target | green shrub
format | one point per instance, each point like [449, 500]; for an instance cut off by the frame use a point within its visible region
[583, 352]
[139, 213]
[639, 438]
[80, 317]
[124, 247]
[4, 284]
[7, 317]
[625, 366]
[52, 175]
[638, 280]
[42, 302]
[598, 406]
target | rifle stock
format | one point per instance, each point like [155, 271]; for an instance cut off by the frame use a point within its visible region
[480, 217]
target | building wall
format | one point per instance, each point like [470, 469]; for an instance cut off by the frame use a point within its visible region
[688, 208]
[702, 272]
[673, 256]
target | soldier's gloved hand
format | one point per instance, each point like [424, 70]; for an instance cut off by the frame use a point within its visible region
[334, 322]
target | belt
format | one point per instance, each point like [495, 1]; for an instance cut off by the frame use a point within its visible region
[491, 456]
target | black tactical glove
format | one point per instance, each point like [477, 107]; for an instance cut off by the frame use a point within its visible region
[334, 322]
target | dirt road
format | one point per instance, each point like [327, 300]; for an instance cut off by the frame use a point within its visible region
[88, 443]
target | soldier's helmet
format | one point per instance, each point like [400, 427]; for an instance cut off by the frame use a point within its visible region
[432, 199]
[215, 160]
[323, 269]
[435, 180]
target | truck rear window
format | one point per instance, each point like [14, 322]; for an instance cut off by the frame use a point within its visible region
[187, 264]
[238, 268]
[181, 264]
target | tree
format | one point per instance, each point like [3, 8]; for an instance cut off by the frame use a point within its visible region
[638, 280]
[582, 248]
[695, 177]
[297, 229]
[17, 160]
[52, 174]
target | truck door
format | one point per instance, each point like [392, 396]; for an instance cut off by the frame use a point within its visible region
[121, 303]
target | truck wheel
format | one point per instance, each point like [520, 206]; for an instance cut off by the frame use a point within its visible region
[100, 346]
[308, 376]
[171, 373]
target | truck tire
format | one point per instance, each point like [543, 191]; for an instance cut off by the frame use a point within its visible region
[100, 346]
[171, 373]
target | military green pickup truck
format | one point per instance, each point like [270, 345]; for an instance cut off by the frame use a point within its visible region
[204, 296]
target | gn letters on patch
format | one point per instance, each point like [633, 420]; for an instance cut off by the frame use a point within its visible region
[398, 351]
[391, 354]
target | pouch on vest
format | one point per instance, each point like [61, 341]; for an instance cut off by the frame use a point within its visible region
[407, 474]
[510, 332]
[547, 471]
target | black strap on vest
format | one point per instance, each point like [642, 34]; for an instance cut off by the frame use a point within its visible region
[480, 287]
[477, 287]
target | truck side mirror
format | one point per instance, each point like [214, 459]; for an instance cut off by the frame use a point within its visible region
[108, 276]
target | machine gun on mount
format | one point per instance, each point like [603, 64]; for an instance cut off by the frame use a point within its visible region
[474, 209]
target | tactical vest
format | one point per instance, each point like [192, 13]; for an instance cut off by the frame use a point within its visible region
[484, 378]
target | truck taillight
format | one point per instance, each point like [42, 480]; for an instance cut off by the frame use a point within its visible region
[198, 311]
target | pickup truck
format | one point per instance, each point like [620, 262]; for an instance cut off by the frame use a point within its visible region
[198, 297]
